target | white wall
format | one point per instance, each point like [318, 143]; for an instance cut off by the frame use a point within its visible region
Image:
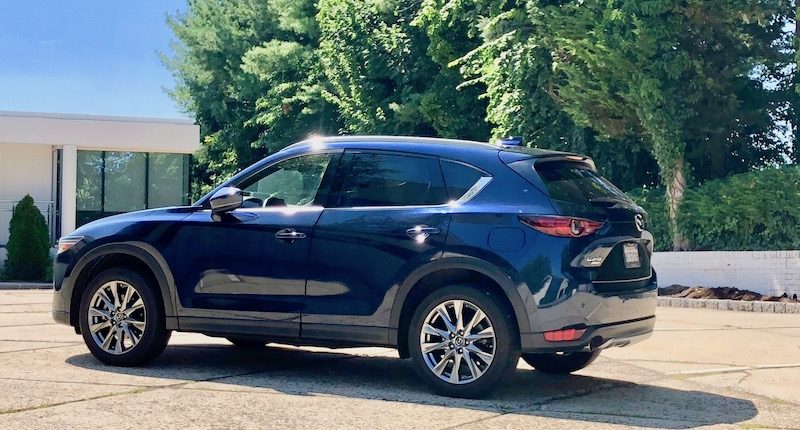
[767, 272]
[89, 132]
[24, 169]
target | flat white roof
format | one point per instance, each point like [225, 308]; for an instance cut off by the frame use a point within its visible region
[97, 132]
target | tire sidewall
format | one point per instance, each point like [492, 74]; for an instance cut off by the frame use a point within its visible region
[506, 340]
[155, 334]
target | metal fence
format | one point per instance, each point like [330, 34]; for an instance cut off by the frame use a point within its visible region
[46, 207]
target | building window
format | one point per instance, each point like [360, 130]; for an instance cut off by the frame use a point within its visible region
[111, 182]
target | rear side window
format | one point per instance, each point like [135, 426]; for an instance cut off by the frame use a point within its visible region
[576, 183]
[392, 180]
[459, 178]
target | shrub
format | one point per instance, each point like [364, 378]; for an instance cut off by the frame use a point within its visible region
[28, 243]
[751, 211]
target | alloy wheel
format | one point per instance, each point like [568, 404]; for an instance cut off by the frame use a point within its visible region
[117, 317]
[457, 341]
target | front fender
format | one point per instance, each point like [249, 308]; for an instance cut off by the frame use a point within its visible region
[142, 251]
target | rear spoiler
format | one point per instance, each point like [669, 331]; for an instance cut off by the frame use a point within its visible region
[571, 158]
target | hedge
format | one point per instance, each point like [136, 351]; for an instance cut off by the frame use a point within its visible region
[751, 211]
[28, 244]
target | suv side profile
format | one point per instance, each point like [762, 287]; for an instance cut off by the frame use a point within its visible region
[464, 256]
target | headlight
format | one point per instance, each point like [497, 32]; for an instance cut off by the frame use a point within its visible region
[65, 243]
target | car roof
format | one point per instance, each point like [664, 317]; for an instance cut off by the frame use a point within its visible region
[421, 145]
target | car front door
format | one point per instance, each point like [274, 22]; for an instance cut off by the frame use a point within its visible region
[386, 216]
[246, 271]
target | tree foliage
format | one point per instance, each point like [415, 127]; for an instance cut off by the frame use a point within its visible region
[28, 243]
[383, 78]
[248, 71]
[654, 90]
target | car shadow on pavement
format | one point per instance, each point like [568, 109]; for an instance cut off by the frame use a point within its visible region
[301, 372]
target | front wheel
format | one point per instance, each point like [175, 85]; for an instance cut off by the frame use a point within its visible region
[122, 319]
[561, 363]
[462, 341]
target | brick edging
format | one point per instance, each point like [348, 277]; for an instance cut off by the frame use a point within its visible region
[730, 305]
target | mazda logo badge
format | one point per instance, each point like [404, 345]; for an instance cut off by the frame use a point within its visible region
[639, 221]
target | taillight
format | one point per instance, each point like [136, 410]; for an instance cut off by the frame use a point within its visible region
[565, 335]
[561, 226]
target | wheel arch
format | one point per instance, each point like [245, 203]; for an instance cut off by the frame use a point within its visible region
[138, 256]
[444, 272]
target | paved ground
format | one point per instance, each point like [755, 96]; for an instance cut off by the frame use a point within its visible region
[701, 368]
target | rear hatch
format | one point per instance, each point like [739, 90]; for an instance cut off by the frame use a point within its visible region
[617, 256]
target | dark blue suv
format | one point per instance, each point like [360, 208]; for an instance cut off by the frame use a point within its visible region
[462, 255]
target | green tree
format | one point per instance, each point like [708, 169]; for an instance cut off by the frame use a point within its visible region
[383, 78]
[28, 243]
[679, 79]
[248, 71]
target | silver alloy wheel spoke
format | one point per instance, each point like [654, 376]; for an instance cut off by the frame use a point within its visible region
[99, 326]
[433, 331]
[486, 333]
[430, 347]
[461, 348]
[458, 307]
[456, 367]
[117, 317]
[439, 368]
[442, 310]
[476, 318]
[473, 368]
[485, 356]
[131, 337]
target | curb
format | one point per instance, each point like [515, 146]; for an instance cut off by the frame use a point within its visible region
[26, 286]
[730, 305]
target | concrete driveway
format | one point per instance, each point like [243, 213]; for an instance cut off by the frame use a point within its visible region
[701, 368]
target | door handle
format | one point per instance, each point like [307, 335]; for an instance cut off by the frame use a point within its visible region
[289, 235]
[421, 232]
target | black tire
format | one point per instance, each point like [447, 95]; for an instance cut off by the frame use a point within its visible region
[561, 364]
[506, 342]
[154, 336]
[246, 343]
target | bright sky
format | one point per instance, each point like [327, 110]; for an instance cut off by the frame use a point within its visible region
[86, 56]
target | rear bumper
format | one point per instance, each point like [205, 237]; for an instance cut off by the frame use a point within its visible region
[595, 338]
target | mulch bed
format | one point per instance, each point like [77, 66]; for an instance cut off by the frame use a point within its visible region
[728, 293]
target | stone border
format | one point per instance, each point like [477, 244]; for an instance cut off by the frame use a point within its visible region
[26, 286]
[731, 305]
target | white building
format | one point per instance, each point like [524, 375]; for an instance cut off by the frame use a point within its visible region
[82, 167]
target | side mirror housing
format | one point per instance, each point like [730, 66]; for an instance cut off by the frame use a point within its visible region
[225, 200]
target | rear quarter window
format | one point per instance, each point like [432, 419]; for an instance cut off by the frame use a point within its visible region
[459, 178]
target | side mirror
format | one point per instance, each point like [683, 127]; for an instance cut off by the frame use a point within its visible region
[225, 200]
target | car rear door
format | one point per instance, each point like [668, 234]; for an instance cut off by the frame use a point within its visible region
[387, 215]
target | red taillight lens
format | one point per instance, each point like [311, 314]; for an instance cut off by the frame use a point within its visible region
[561, 226]
[564, 335]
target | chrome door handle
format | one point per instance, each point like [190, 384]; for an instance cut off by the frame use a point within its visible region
[421, 232]
[289, 234]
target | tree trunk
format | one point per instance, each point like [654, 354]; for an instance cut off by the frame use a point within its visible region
[675, 192]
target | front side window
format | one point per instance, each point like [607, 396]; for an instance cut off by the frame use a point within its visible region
[392, 180]
[292, 182]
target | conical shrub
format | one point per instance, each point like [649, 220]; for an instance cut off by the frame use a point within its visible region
[28, 243]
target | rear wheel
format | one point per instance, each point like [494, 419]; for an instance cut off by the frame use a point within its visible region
[246, 343]
[561, 363]
[122, 319]
[462, 341]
